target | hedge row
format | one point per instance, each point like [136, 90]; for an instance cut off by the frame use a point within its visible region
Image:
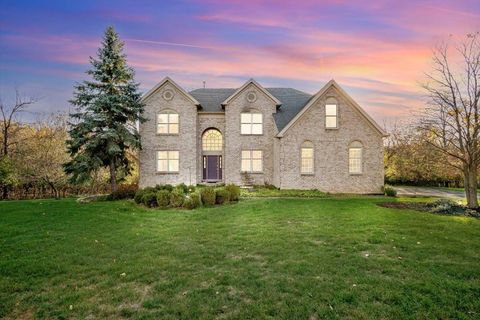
[183, 196]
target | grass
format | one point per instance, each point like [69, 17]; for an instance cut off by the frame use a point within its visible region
[260, 192]
[330, 258]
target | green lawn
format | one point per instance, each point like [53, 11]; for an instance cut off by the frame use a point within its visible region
[326, 258]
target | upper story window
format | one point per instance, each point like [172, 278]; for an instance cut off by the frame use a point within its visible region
[331, 113]
[167, 122]
[212, 140]
[355, 154]
[252, 161]
[306, 158]
[251, 123]
[167, 161]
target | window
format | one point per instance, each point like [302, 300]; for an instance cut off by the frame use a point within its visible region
[167, 123]
[251, 123]
[306, 158]
[330, 116]
[167, 161]
[212, 140]
[252, 161]
[355, 158]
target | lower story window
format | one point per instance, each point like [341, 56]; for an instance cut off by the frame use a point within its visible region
[167, 161]
[355, 160]
[252, 161]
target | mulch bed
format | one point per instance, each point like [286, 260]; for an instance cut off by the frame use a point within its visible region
[434, 207]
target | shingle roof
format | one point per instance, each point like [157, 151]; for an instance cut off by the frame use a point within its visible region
[292, 101]
[211, 99]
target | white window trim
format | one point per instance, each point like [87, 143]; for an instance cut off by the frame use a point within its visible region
[331, 116]
[251, 124]
[251, 160]
[168, 113]
[168, 161]
[360, 158]
[307, 173]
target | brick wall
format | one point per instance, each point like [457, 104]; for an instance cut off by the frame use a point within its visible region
[331, 151]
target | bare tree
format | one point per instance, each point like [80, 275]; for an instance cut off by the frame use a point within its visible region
[452, 119]
[9, 125]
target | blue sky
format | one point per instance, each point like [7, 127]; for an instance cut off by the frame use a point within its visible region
[377, 50]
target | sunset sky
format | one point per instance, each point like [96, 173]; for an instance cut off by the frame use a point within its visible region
[377, 50]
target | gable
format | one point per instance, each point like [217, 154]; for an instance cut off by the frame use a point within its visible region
[166, 80]
[245, 86]
[319, 95]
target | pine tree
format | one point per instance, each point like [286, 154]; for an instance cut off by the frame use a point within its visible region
[107, 109]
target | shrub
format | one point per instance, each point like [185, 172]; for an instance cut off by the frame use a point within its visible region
[182, 187]
[149, 199]
[389, 191]
[208, 196]
[269, 186]
[124, 191]
[163, 198]
[193, 200]
[140, 192]
[176, 198]
[138, 196]
[234, 191]
[221, 195]
[191, 189]
[167, 187]
[446, 206]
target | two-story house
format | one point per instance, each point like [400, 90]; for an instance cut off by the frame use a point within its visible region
[254, 135]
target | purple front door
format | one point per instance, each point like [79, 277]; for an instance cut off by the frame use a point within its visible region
[212, 168]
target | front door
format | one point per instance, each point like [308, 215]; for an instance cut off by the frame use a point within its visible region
[212, 168]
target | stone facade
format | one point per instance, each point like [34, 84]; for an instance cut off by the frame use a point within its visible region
[331, 146]
[280, 142]
[185, 141]
[235, 142]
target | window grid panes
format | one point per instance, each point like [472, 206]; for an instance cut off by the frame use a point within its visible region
[251, 123]
[306, 159]
[167, 161]
[252, 161]
[331, 116]
[167, 123]
[212, 140]
[355, 160]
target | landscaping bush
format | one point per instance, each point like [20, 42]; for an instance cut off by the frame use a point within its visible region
[446, 206]
[149, 199]
[167, 187]
[124, 191]
[193, 200]
[163, 198]
[191, 189]
[221, 195]
[177, 198]
[389, 191]
[234, 192]
[208, 196]
[182, 187]
[139, 196]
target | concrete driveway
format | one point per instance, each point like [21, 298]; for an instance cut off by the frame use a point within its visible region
[429, 192]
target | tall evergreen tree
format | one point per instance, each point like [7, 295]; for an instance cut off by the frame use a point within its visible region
[107, 109]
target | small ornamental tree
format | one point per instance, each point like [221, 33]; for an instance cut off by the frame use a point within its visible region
[108, 107]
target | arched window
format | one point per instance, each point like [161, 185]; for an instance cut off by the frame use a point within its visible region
[212, 140]
[167, 122]
[307, 158]
[355, 154]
